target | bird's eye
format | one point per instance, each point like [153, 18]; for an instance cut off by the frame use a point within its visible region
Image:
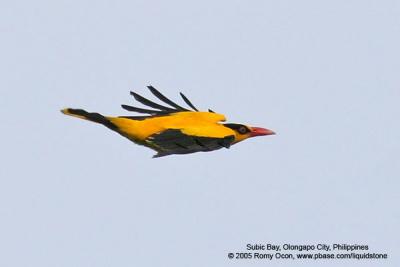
[242, 130]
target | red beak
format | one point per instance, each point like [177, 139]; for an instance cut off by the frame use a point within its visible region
[257, 131]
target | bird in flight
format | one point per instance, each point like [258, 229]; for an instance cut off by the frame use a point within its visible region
[173, 129]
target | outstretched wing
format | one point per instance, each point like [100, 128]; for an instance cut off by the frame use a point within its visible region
[157, 109]
[174, 141]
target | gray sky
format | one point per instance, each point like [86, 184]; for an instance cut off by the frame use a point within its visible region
[323, 74]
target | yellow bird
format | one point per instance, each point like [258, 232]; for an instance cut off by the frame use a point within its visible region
[173, 129]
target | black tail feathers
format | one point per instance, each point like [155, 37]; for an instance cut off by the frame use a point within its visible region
[90, 116]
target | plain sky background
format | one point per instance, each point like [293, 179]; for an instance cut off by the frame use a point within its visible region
[323, 74]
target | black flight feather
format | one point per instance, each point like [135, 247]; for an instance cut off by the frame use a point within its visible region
[188, 102]
[165, 99]
[198, 142]
[181, 146]
[142, 110]
[149, 103]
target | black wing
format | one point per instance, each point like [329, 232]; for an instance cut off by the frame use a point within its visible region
[157, 108]
[173, 141]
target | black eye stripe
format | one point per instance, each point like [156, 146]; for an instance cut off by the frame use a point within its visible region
[240, 128]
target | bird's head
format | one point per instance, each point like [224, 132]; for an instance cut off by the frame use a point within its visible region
[243, 132]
